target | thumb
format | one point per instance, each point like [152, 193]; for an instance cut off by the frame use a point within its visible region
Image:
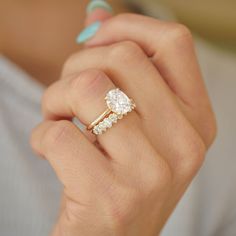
[97, 12]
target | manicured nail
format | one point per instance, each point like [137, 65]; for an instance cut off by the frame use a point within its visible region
[88, 32]
[94, 4]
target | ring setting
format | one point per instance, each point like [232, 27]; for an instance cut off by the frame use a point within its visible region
[118, 105]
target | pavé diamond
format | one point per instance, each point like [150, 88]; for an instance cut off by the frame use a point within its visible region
[102, 126]
[118, 102]
[108, 123]
[113, 117]
[97, 130]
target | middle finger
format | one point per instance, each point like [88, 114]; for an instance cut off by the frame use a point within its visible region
[166, 127]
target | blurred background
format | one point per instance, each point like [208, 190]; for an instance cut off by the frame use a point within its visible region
[213, 20]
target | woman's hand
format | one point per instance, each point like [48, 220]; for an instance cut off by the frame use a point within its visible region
[130, 183]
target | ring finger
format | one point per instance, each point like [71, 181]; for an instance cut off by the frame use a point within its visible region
[83, 97]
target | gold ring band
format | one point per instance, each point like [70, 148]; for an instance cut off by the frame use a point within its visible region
[99, 119]
[118, 105]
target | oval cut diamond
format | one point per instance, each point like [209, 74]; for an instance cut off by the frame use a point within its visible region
[118, 102]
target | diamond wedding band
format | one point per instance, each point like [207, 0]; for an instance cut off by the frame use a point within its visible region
[118, 105]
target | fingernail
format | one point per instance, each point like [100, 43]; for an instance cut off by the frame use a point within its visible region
[94, 4]
[88, 32]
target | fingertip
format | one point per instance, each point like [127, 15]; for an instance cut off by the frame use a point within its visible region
[98, 11]
[98, 4]
[98, 14]
[88, 32]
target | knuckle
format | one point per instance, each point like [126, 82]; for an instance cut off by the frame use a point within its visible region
[179, 34]
[212, 134]
[121, 19]
[194, 157]
[56, 135]
[211, 130]
[86, 82]
[71, 60]
[157, 177]
[125, 51]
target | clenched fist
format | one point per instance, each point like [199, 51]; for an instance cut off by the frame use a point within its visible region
[128, 180]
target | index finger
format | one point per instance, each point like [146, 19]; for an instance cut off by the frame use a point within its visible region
[170, 46]
[171, 49]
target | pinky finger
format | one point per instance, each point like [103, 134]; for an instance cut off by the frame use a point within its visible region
[74, 158]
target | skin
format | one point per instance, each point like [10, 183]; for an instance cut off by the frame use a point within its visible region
[128, 180]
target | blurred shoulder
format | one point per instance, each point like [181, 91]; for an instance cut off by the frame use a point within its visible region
[17, 85]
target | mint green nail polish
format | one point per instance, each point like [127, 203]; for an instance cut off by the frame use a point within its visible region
[98, 4]
[88, 32]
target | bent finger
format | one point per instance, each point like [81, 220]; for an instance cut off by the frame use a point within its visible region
[83, 97]
[171, 49]
[168, 44]
[75, 160]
